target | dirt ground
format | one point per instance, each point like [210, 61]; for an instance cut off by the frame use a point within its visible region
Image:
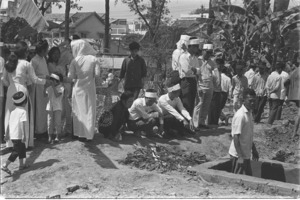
[95, 168]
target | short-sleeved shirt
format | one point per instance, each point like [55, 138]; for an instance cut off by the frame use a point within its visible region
[133, 70]
[273, 85]
[206, 73]
[242, 124]
[139, 109]
[259, 83]
[225, 83]
[16, 119]
[284, 76]
[1, 74]
[55, 103]
[250, 75]
[186, 63]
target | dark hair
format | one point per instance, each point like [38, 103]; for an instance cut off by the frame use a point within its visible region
[193, 37]
[220, 61]
[248, 91]
[19, 95]
[20, 53]
[280, 65]
[252, 66]
[224, 70]
[59, 75]
[75, 37]
[41, 46]
[134, 46]
[126, 95]
[151, 90]
[51, 52]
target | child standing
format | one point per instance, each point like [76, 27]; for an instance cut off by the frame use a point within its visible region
[54, 107]
[16, 133]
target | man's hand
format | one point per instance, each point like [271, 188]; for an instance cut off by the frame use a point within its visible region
[192, 125]
[6, 137]
[240, 161]
[186, 124]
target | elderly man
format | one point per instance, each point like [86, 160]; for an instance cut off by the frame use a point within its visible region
[177, 120]
[145, 114]
[205, 82]
[242, 133]
[188, 63]
[182, 45]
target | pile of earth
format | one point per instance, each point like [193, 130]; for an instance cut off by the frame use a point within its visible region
[163, 159]
[277, 142]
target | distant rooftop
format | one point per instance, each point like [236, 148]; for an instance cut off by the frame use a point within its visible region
[61, 16]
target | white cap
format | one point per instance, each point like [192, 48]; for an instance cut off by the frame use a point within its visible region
[151, 95]
[1, 44]
[174, 88]
[185, 37]
[20, 100]
[208, 47]
[194, 42]
[55, 77]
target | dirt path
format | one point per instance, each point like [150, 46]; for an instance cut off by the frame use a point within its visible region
[95, 166]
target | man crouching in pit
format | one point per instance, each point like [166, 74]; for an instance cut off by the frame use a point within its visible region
[242, 133]
[177, 120]
[145, 116]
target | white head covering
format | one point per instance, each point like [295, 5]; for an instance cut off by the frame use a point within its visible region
[82, 48]
[194, 42]
[208, 47]
[183, 40]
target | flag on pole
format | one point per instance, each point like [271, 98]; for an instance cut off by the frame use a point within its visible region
[30, 12]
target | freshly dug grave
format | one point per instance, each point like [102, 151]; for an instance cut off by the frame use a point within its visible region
[277, 142]
[162, 159]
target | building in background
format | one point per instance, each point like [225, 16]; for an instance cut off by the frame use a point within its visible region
[119, 28]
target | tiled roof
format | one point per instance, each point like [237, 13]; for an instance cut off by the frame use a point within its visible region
[61, 16]
[79, 17]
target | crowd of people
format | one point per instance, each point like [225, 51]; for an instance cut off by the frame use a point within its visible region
[53, 94]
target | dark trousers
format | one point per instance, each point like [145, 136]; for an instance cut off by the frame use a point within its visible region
[172, 126]
[260, 103]
[278, 115]
[188, 93]
[274, 106]
[19, 150]
[143, 124]
[135, 91]
[215, 109]
[238, 168]
[224, 97]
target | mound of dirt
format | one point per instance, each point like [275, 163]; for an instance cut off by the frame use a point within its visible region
[162, 159]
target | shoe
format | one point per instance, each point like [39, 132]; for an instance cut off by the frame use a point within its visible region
[56, 140]
[25, 166]
[5, 169]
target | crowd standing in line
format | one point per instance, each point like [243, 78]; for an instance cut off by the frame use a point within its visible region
[53, 94]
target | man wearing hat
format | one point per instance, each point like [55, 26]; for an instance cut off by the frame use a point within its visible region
[177, 119]
[188, 64]
[145, 115]
[182, 45]
[205, 83]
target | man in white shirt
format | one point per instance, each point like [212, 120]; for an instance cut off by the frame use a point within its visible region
[188, 62]
[177, 120]
[273, 89]
[225, 89]
[258, 85]
[250, 74]
[145, 114]
[284, 76]
[205, 83]
[242, 133]
[182, 45]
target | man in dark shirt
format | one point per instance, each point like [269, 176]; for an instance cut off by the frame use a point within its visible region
[133, 70]
[112, 122]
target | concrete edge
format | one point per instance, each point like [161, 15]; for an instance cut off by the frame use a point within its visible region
[259, 184]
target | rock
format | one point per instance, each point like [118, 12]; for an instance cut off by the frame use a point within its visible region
[84, 186]
[73, 188]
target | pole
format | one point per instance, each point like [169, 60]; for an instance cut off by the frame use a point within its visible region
[107, 26]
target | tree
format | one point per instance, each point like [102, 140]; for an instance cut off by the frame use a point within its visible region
[67, 19]
[152, 14]
[44, 5]
[107, 26]
[10, 29]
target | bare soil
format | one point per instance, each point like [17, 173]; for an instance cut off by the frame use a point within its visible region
[95, 167]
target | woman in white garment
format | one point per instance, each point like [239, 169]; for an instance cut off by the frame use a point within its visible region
[39, 101]
[83, 70]
[17, 73]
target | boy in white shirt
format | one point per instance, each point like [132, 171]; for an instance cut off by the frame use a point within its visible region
[54, 107]
[17, 134]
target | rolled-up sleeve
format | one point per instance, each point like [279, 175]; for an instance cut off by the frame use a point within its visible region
[165, 105]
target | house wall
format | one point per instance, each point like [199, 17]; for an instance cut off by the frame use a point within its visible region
[91, 27]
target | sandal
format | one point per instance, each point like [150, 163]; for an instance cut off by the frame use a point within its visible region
[25, 166]
[5, 169]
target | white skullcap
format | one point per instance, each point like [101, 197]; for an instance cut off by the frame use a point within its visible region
[185, 37]
[208, 47]
[151, 95]
[174, 88]
[55, 77]
[20, 100]
[194, 42]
